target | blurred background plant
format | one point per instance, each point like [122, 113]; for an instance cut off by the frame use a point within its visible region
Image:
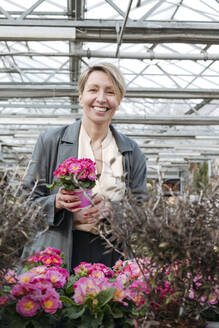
[20, 220]
[180, 236]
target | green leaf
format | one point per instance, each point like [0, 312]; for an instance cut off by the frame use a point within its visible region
[40, 324]
[105, 296]
[53, 185]
[69, 289]
[117, 313]
[109, 323]
[88, 321]
[74, 312]
[67, 300]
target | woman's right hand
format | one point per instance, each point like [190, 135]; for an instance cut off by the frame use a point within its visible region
[67, 200]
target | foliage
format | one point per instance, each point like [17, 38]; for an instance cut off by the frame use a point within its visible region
[19, 220]
[200, 179]
[180, 236]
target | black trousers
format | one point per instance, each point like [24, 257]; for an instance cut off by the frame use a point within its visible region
[91, 248]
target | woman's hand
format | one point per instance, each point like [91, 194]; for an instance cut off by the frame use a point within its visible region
[91, 214]
[98, 211]
[67, 200]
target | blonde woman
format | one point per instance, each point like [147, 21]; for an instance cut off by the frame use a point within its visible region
[101, 89]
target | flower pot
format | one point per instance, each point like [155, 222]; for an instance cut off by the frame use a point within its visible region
[212, 324]
[85, 197]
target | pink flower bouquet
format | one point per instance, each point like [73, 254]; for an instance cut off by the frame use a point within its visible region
[75, 173]
[79, 175]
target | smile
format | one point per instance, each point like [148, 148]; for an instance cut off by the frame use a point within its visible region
[101, 109]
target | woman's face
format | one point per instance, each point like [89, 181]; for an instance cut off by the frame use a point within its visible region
[99, 99]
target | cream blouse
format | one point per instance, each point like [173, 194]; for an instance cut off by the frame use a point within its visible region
[109, 185]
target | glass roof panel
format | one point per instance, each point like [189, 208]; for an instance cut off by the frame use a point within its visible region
[168, 78]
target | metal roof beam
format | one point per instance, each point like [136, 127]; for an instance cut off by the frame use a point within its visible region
[149, 120]
[105, 30]
[37, 33]
[119, 42]
[21, 90]
[122, 55]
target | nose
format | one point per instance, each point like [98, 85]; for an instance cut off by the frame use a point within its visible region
[101, 97]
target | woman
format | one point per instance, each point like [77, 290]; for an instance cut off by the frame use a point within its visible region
[101, 89]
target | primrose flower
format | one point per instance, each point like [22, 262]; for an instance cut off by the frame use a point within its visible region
[18, 290]
[52, 259]
[85, 287]
[120, 291]
[27, 307]
[50, 301]
[3, 300]
[10, 276]
[56, 278]
[50, 250]
[39, 270]
[26, 277]
[83, 269]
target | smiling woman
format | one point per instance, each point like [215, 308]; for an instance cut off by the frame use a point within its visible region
[74, 231]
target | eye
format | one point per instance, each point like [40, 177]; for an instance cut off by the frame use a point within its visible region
[111, 92]
[92, 90]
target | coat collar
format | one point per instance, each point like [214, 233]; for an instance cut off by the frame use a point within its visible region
[72, 131]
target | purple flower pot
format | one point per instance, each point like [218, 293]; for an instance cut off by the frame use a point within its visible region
[85, 197]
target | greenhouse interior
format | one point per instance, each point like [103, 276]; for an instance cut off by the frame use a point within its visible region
[142, 251]
[168, 52]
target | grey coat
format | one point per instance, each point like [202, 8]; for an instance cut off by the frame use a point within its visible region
[51, 149]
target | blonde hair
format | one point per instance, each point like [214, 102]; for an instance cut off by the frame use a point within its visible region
[111, 70]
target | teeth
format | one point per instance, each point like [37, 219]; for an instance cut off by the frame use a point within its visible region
[100, 109]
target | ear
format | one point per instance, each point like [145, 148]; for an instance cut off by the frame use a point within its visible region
[80, 98]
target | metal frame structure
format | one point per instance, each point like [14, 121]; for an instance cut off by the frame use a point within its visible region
[167, 50]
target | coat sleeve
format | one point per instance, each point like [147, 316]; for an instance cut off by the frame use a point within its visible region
[39, 173]
[138, 173]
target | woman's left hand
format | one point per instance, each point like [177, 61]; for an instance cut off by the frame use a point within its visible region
[91, 214]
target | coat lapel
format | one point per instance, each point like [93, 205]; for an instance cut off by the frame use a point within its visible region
[69, 142]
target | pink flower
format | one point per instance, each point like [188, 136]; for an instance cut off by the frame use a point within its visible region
[191, 293]
[50, 301]
[57, 279]
[27, 307]
[42, 282]
[85, 287]
[83, 268]
[62, 271]
[75, 168]
[60, 171]
[18, 290]
[100, 267]
[39, 270]
[138, 290]
[3, 300]
[92, 176]
[51, 259]
[120, 292]
[26, 277]
[213, 299]
[50, 250]
[11, 276]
